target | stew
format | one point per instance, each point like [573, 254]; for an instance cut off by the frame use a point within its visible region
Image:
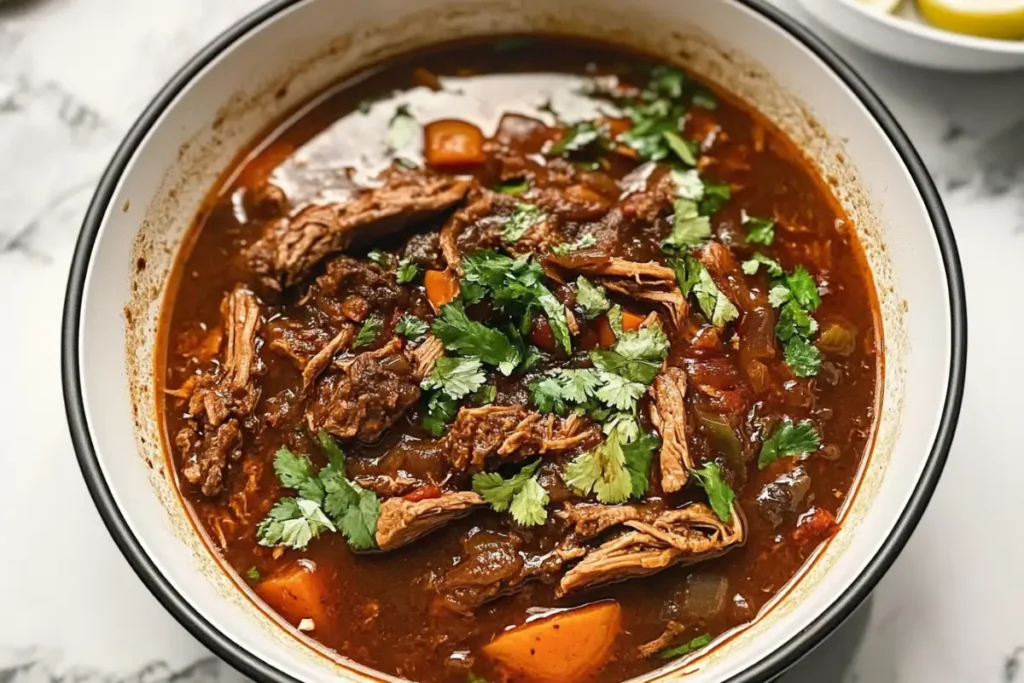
[520, 360]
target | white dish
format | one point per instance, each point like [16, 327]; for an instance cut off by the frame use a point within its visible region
[907, 40]
[284, 53]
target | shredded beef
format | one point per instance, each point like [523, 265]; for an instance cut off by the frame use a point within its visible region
[290, 248]
[366, 395]
[402, 521]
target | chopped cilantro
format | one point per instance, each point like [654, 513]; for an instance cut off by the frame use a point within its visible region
[804, 289]
[794, 322]
[407, 271]
[354, 509]
[461, 335]
[789, 438]
[296, 472]
[524, 217]
[636, 356]
[582, 242]
[330, 447]
[720, 494]
[686, 150]
[715, 197]
[666, 81]
[554, 392]
[687, 231]
[778, 295]
[601, 471]
[618, 392]
[592, 299]
[520, 494]
[555, 312]
[653, 122]
[441, 410]
[751, 266]
[695, 279]
[638, 454]
[759, 230]
[514, 186]
[485, 395]
[802, 357]
[411, 327]
[686, 648]
[473, 678]
[625, 424]
[378, 257]
[293, 523]
[531, 357]
[368, 332]
[457, 377]
[688, 184]
[704, 98]
[253, 573]
[402, 130]
[577, 138]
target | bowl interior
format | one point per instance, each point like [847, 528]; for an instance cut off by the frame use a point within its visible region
[287, 52]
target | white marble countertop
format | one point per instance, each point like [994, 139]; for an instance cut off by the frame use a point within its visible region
[73, 76]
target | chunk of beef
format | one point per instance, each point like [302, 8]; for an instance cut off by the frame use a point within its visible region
[204, 458]
[325, 356]
[349, 289]
[668, 413]
[290, 248]
[494, 564]
[784, 495]
[388, 487]
[590, 520]
[366, 395]
[230, 390]
[512, 433]
[402, 521]
[685, 536]
[424, 249]
[426, 354]
[668, 636]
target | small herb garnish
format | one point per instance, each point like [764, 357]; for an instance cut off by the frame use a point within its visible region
[694, 279]
[613, 471]
[524, 217]
[515, 186]
[720, 494]
[759, 230]
[790, 438]
[378, 257]
[402, 130]
[369, 331]
[592, 299]
[441, 410]
[577, 138]
[520, 494]
[407, 271]
[253, 573]
[751, 265]
[582, 242]
[411, 327]
[464, 336]
[686, 648]
[457, 377]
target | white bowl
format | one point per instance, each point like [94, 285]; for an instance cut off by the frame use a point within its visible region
[908, 40]
[280, 56]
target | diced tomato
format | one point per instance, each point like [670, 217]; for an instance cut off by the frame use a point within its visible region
[541, 334]
[814, 526]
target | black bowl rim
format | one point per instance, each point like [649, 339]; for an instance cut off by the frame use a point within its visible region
[250, 663]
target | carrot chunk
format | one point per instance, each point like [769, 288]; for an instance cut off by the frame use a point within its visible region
[295, 593]
[562, 648]
[451, 142]
[441, 287]
[605, 334]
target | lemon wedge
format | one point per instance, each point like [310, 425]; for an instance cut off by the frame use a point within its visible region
[888, 6]
[1002, 19]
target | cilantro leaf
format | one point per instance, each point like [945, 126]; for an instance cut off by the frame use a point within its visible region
[293, 522]
[441, 410]
[592, 299]
[485, 395]
[407, 271]
[358, 524]
[759, 230]
[403, 130]
[666, 81]
[457, 377]
[651, 122]
[554, 392]
[624, 424]
[461, 335]
[639, 455]
[330, 447]
[523, 217]
[686, 150]
[555, 312]
[521, 494]
[411, 327]
[803, 357]
[296, 472]
[602, 471]
[688, 232]
[715, 197]
[779, 294]
[576, 138]
[704, 98]
[582, 242]
[546, 394]
[688, 184]
[695, 279]
[369, 331]
[636, 356]
[253, 573]
[686, 648]
[789, 438]
[720, 494]
[751, 266]
[514, 186]
[620, 393]
[804, 289]
[378, 257]
[794, 322]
